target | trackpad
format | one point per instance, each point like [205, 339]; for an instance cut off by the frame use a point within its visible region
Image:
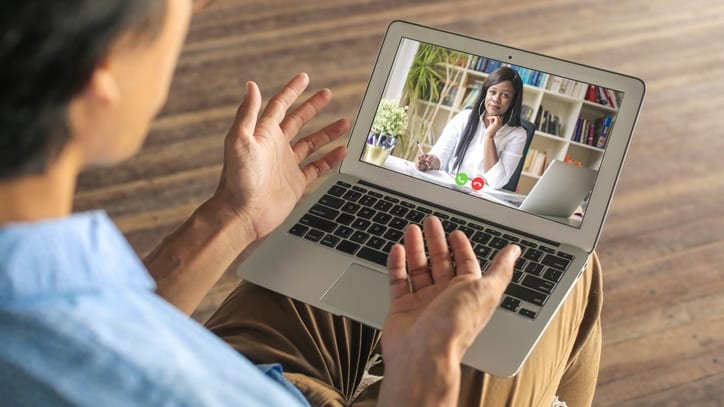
[360, 293]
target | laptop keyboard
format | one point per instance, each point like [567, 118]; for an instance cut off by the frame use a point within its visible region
[367, 223]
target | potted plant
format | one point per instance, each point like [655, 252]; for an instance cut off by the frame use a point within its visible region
[388, 126]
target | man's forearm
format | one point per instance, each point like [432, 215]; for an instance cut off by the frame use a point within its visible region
[192, 259]
[427, 379]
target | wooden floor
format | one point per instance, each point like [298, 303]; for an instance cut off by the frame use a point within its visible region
[663, 244]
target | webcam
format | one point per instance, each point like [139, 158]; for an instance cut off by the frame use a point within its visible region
[510, 57]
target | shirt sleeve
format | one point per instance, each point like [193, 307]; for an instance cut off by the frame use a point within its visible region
[444, 147]
[509, 155]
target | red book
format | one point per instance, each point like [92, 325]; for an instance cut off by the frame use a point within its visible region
[591, 94]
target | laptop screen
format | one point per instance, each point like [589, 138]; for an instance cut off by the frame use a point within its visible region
[493, 130]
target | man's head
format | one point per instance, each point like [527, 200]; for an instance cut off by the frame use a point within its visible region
[88, 73]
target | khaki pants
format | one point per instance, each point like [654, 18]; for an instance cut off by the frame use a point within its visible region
[325, 355]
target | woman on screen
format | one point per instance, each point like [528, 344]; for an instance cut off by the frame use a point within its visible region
[488, 139]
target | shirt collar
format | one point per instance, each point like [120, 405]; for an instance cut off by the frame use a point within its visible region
[79, 253]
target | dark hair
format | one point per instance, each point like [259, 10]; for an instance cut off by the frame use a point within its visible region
[48, 51]
[511, 116]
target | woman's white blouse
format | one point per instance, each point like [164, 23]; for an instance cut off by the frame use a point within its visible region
[509, 143]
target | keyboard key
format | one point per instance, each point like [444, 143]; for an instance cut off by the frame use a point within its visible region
[493, 232]
[556, 262]
[352, 196]
[533, 254]
[324, 212]
[372, 255]
[350, 207]
[375, 194]
[344, 184]
[345, 218]
[527, 313]
[424, 210]
[383, 206]
[458, 220]
[498, 243]
[298, 230]
[510, 238]
[534, 268]
[367, 200]
[382, 218]
[391, 199]
[359, 237]
[376, 243]
[406, 204]
[361, 224]
[552, 274]
[441, 215]
[330, 240]
[449, 226]
[399, 210]
[538, 284]
[348, 247]
[483, 264]
[415, 216]
[469, 232]
[481, 237]
[318, 223]
[519, 263]
[398, 223]
[393, 235]
[475, 226]
[565, 255]
[517, 275]
[366, 213]
[377, 230]
[336, 190]
[510, 303]
[332, 202]
[388, 247]
[359, 188]
[343, 231]
[482, 251]
[314, 235]
[547, 249]
[528, 243]
[526, 294]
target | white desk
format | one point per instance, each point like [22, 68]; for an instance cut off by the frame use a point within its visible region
[502, 197]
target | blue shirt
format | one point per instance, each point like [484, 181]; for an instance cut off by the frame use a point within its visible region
[81, 325]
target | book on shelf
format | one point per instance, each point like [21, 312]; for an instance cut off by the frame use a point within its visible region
[526, 112]
[491, 66]
[593, 133]
[548, 122]
[535, 162]
[471, 93]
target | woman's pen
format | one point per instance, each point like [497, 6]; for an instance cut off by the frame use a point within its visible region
[419, 148]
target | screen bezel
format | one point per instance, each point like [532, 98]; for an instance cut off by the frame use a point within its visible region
[587, 234]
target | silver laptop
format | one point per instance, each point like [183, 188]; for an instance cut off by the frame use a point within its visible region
[331, 251]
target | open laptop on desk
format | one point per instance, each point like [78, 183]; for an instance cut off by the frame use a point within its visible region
[331, 251]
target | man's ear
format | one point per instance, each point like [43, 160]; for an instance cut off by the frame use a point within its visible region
[102, 87]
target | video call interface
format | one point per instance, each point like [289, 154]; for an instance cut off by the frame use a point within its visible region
[545, 163]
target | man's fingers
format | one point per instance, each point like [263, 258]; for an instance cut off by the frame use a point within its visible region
[246, 114]
[308, 145]
[316, 168]
[397, 272]
[465, 260]
[441, 263]
[293, 122]
[278, 105]
[417, 266]
[501, 270]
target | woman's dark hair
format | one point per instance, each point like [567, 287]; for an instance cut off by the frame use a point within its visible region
[48, 51]
[511, 116]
